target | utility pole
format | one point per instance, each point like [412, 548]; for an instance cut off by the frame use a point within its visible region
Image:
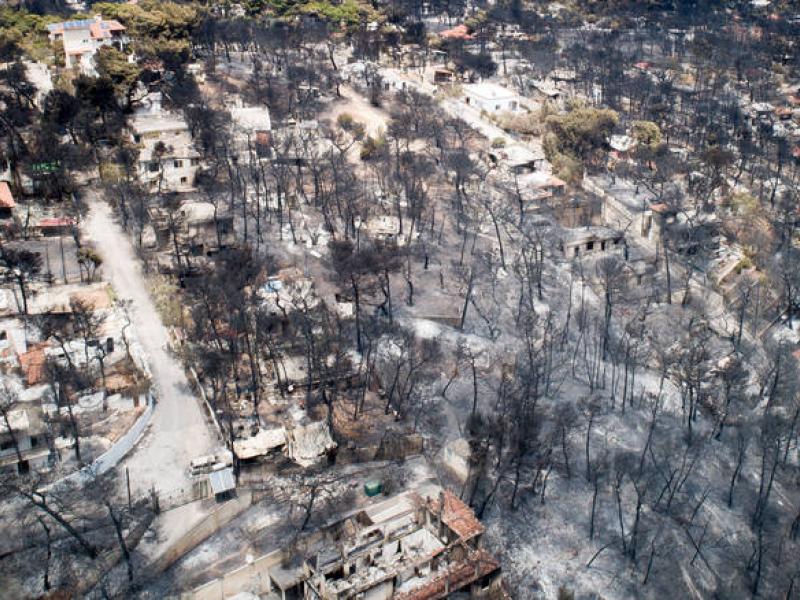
[128, 483]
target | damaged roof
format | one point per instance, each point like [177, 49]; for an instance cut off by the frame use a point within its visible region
[458, 516]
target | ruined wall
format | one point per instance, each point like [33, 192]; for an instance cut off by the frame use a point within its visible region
[253, 578]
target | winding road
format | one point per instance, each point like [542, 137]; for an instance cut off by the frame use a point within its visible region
[178, 431]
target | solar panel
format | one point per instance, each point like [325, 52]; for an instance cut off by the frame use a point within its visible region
[82, 24]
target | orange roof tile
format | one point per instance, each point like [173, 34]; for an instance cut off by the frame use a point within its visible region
[478, 564]
[56, 222]
[6, 197]
[459, 32]
[33, 364]
[458, 517]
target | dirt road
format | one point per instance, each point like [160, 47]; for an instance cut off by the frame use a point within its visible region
[178, 431]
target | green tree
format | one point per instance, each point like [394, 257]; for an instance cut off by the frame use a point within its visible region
[582, 132]
[124, 75]
[647, 133]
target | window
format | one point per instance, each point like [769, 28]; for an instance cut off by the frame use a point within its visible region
[184, 180]
[589, 245]
[137, 138]
[177, 164]
[3, 336]
[577, 250]
[34, 441]
[153, 167]
[6, 445]
[195, 162]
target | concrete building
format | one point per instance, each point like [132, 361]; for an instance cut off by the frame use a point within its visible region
[588, 241]
[419, 545]
[385, 230]
[82, 39]
[539, 187]
[23, 430]
[491, 98]
[168, 160]
[200, 228]
[251, 128]
[625, 206]
[518, 159]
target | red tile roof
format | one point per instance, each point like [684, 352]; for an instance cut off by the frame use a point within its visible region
[458, 517]
[103, 29]
[459, 32]
[6, 197]
[478, 564]
[32, 364]
[56, 222]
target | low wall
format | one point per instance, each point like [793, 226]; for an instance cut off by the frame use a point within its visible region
[111, 457]
[206, 404]
[217, 519]
[253, 578]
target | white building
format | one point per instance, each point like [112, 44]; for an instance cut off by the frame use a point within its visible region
[25, 432]
[251, 127]
[491, 97]
[168, 160]
[82, 39]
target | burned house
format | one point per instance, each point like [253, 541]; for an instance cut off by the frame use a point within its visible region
[252, 130]
[199, 228]
[587, 241]
[23, 440]
[386, 231]
[419, 545]
[517, 159]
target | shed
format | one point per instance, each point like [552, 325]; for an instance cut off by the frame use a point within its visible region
[222, 483]
[55, 225]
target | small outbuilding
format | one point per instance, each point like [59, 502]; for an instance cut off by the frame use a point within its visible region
[222, 484]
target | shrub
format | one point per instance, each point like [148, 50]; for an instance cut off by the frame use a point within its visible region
[345, 121]
[565, 594]
[372, 146]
